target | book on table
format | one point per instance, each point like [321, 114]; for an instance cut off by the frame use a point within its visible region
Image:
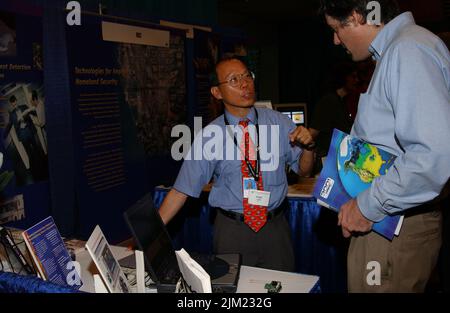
[50, 255]
[111, 273]
[196, 278]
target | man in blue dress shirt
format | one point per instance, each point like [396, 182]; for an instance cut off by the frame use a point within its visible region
[405, 111]
[270, 246]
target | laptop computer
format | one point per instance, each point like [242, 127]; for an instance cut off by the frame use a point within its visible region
[152, 238]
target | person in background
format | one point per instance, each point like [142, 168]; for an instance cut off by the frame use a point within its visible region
[39, 107]
[331, 111]
[364, 70]
[19, 118]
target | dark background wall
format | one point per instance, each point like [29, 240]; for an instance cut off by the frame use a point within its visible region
[296, 45]
[202, 12]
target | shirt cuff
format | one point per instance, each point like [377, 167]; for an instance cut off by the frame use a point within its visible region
[295, 165]
[370, 207]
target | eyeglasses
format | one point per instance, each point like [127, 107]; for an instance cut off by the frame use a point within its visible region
[236, 80]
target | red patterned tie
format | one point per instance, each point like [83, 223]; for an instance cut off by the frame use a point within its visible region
[255, 216]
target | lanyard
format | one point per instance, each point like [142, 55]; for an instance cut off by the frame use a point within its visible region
[253, 171]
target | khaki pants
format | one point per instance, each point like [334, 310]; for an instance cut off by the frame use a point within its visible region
[406, 263]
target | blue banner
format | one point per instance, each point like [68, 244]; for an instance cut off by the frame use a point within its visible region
[125, 100]
[24, 188]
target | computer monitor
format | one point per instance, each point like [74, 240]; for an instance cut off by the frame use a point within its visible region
[297, 112]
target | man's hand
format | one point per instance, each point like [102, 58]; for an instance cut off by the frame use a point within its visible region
[351, 219]
[302, 136]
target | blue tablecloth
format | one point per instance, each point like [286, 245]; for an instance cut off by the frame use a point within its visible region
[13, 283]
[319, 247]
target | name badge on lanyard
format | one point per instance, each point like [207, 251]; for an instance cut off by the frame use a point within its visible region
[259, 197]
[248, 183]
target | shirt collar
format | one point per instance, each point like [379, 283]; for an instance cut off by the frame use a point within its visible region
[234, 120]
[388, 33]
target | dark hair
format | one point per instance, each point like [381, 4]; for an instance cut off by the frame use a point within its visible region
[12, 99]
[34, 95]
[342, 9]
[213, 77]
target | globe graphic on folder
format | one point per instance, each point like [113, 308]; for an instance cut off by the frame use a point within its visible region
[359, 163]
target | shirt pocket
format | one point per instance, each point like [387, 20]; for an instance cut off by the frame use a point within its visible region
[227, 173]
[276, 177]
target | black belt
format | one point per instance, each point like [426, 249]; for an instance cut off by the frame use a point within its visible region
[270, 215]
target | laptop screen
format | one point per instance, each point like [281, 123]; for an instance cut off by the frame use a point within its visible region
[151, 237]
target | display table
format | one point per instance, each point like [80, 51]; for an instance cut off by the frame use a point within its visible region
[251, 279]
[319, 247]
